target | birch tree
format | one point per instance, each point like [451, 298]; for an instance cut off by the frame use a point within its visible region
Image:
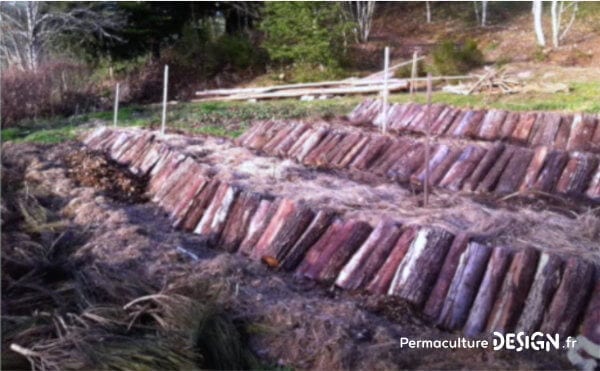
[428, 11]
[362, 14]
[557, 10]
[481, 20]
[537, 22]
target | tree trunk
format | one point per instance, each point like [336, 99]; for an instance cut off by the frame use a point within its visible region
[555, 22]
[428, 9]
[484, 5]
[242, 211]
[259, 222]
[462, 168]
[513, 175]
[537, 22]
[213, 221]
[492, 124]
[577, 174]
[555, 163]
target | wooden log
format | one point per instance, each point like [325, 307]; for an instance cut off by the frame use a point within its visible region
[595, 143]
[200, 203]
[564, 312]
[121, 143]
[353, 152]
[301, 149]
[324, 142]
[492, 124]
[174, 179]
[363, 265]
[420, 125]
[258, 223]
[577, 174]
[442, 114]
[412, 124]
[381, 281]
[582, 132]
[108, 141]
[338, 250]
[185, 202]
[515, 170]
[323, 158]
[172, 197]
[489, 182]
[257, 130]
[238, 221]
[405, 167]
[213, 221]
[464, 286]
[261, 139]
[523, 128]
[483, 167]
[287, 225]
[346, 145]
[441, 125]
[417, 273]
[462, 168]
[392, 156]
[509, 125]
[279, 136]
[370, 152]
[357, 113]
[534, 168]
[436, 299]
[152, 157]
[164, 170]
[488, 291]
[590, 327]
[284, 146]
[93, 137]
[562, 136]
[309, 237]
[134, 151]
[443, 157]
[547, 128]
[593, 190]
[545, 282]
[511, 299]
[241, 140]
[555, 163]
[137, 161]
[396, 113]
[468, 126]
[411, 112]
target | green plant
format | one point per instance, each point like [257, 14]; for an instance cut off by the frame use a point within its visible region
[451, 58]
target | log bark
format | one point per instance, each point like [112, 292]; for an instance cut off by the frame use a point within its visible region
[91, 139]
[534, 168]
[283, 133]
[511, 299]
[582, 132]
[562, 135]
[236, 227]
[492, 124]
[287, 224]
[213, 221]
[338, 153]
[259, 222]
[468, 126]
[370, 256]
[483, 167]
[490, 180]
[392, 156]
[545, 282]
[437, 297]
[163, 170]
[440, 162]
[488, 291]
[353, 152]
[402, 170]
[509, 125]
[309, 237]
[256, 129]
[441, 125]
[577, 174]
[179, 189]
[175, 179]
[284, 146]
[593, 191]
[547, 125]
[417, 273]
[515, 170]
[409, 114]
[370, 152]
[564, 312]
[261, 138]
[324, 156]
[555, 163]
[200, 203]
[523, 128]
[420, 125]
[324, 142]
[136, 149]
[152, 158]
[462, 168]
[382, 280]
[303, 148]
[464, 286]
[136, 164]
[590, 328]
[185, 202]
[595, 143]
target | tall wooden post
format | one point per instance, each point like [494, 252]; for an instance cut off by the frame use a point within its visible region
[164, 110]
[427, 144]
[386, 66]
[116, 114]
[413, 72]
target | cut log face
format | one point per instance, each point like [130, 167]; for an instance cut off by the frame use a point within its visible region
[462, 168]
[259, 222]
[492, 124]
[515, 170]
[200, 203]
[511, 299]
[489, 182]
[577, 174]
[214, 218]
[440, 289]
[590, 327]
[546, 280]
[288, 223]
[309, 237]
[488, 291]
[416, 275]
[464, 286]
[523, 128]
[333, 249]
[483, 167]
[382, 280]
[402, 170]
[555, 163]
[563, 314]
[582, 132]
[238, 220]
[370, 256]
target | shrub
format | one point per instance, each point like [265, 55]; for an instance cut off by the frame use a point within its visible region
[450, 58]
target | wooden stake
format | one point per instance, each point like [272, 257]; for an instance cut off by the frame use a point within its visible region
[413, 73]
[386, 65]
[116, 106]
[164, 110]
[427, 144]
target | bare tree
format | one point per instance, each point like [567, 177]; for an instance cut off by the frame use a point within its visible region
[558, 8]
[30, 29]
[428, 9]
[483, 19]
[362, 13]
[537, 22]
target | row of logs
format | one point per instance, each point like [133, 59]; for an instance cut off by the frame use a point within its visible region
[456, 282]
[566, 132]
[485, 167]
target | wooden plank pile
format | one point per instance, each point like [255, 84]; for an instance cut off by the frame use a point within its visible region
[455, 280]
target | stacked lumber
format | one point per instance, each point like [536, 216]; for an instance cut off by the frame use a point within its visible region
[471, 167]
[456, 281]
[565, 132]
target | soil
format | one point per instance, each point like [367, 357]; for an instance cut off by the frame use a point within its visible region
[286, 322]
